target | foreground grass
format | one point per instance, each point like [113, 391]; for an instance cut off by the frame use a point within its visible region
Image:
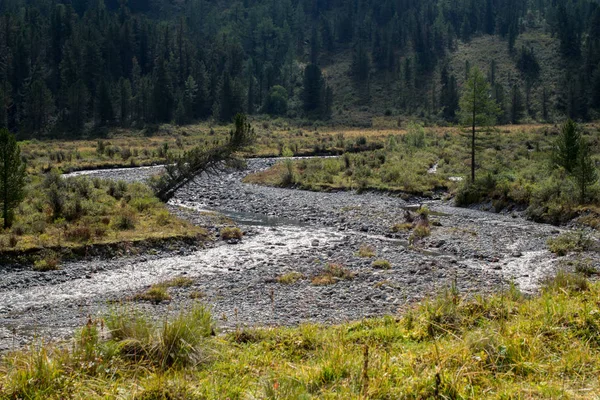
[498, 347]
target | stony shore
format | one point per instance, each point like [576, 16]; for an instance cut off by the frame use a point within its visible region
[285, 231]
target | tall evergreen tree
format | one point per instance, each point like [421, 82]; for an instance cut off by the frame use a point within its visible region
[313, 88]
[162, 93]
[477, 109]
[566, 148]
[585, 171]
[12, 176]
[517, 107]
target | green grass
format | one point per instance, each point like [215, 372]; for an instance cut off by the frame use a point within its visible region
[381, 264]
[569, 242]
[450, 346]
[289, 278]
[77, 212]
[160, 292]
[332, 274]
[514, 168]
[229, 232]
[154, 294]
[366, 252]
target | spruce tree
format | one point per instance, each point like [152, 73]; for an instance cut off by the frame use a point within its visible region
[313, 88]
[566, 149]
[477, 108]
[517, 108]
[585, 171]
[12, 176]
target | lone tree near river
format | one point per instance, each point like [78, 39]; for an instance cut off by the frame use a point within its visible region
[12, 176]
[477, 108]
[184, 168]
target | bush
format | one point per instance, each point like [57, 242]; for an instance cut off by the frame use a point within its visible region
[155, 294]
[163, 218]
[567, 281]
[144, 203]
[178, 342]
[473, 193]
[48, 262]
[366, 252]
[289, 278]
[332, 274]
[117, 189]
[228, 233]
[79, 233]
[381, 264]
[125, 220]
[569, 242]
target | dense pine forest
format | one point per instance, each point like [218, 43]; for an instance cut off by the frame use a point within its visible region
[73, 67]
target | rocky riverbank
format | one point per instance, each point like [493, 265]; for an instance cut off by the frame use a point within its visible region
[286, 231]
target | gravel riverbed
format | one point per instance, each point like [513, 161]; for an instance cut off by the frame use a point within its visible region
[286, 231]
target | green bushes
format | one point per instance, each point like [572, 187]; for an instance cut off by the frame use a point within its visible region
[381, 264]
[78, 211]
[331, 274]
[569, 242]
[229, 233]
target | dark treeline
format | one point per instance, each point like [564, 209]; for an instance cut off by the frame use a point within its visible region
[71, 65]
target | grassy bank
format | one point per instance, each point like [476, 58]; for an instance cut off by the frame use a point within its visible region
[130, 148]
[498, 347]
[68, 214]
[514, 167]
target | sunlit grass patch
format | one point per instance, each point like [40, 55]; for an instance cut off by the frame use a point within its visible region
[500, 346]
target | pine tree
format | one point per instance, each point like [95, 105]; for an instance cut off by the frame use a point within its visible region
[189, 97]
[77, 101]
[106, 113]
[566, 149]
[3, 109]
[125, 101]
[449, 96]
[12, 176]
[162, 93]
[313, 88]
[585, 171]
[477, 108]
[361, 64]
[517, 108]
[39, 106]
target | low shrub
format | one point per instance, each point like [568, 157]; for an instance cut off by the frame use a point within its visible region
[366, 252]
[569, 242]
[381, 264]
[79, 233]
[228, 233]
[48, 262]
[566, 281]
[289, 278]
[332, 274]
[155, 294]
[125, 220]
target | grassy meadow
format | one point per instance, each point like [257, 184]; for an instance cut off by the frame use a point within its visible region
[66, 214]
[514, 168]
[505, 346]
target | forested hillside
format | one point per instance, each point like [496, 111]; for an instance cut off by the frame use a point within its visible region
[68, 67]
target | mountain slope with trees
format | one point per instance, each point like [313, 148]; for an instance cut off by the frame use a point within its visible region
[70, 66]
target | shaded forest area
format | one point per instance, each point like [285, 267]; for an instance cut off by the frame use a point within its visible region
[72, 67]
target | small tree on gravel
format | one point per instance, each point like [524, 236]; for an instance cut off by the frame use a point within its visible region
[183, 169]
[12, 176]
